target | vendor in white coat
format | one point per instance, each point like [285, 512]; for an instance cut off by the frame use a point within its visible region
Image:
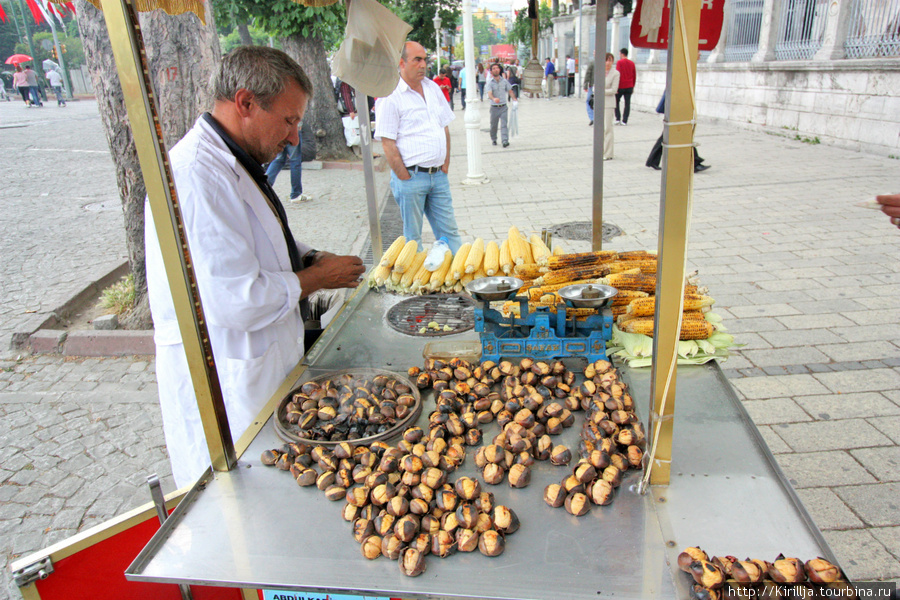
[250, 272]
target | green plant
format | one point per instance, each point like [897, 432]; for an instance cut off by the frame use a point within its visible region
[806, 140]
[119, 296]
[894, 156]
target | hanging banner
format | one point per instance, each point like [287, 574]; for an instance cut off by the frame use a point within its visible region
[650, 24]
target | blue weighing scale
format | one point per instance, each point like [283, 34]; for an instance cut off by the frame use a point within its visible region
[541, 334]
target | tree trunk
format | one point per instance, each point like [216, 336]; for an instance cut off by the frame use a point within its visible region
[322, 112]
[244, 32]
[181, 53]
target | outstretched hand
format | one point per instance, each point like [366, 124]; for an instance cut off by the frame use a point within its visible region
[330, 271]
[890, 205]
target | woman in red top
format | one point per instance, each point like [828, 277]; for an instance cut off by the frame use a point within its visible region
[444, 83]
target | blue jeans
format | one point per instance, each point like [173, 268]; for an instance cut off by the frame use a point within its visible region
[590, 109]
[36, 96]
[429, 195]
[294, 154]
[60, 95]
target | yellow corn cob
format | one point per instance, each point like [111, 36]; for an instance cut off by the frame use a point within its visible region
[529, 271]
[637, 255]
[475, 257]
[457, 268]
[466, 279]
[691, 329]
[549, 299]
[457, 287]
[644, 307]
[641, 282]
[586, 258]
[618, 311]
[406, 256]
[513, 308]
[539, 250]
[379, 275]
[437, 277]
[623, 267]
[558, 250]
[518, 247]
[389, 257]
[480, 273]
[410, 274]
[491, 258]
[572, 274]
[395, 277]
[506, 261]
[624, 297]
[622, 319]
[536, 292]
[421, 278]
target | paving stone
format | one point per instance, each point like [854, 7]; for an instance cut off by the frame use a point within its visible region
[827, 510]
[874, 380]
[761, 388]
[868, 333]
[890, 537]
[822, 469]
[848, 406]
[859, 350]
[773, 440]
[777, 410]
[883, 463]
[876, 504]
[831, 435]
[814, 321]
[801, 337]
[861, 555]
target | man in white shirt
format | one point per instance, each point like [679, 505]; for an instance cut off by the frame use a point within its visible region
[250, 271]
[413, 126]
[55, 80]
[570, 75]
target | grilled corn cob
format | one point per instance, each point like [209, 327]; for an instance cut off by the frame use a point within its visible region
[691, 329]
[393, 251]
[643, 307]
[491, 258]
[629, 281]
[513, 308]
[379, 275]
[572, 274]
[539, 250]
[624, 297]
[505, 260]
[536, 292]
[410, 274]
[627, 266]
[563, 261]
[437, 277]
[637, 255]
[475, 257]
[529, 271]
[458, 266]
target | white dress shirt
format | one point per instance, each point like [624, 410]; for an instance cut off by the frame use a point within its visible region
[570, 65]
[415, 123]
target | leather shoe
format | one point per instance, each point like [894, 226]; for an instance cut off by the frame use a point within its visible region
[699, 168]
[590, 122]
[505, 144]
[494, 143]
[655, 167]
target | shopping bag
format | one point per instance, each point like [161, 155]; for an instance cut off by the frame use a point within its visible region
[351, 130]
[513, 122]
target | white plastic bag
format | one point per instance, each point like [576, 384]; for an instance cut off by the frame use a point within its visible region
[351, 130]
[369, 57]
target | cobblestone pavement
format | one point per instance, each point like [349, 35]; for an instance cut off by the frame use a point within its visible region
[804, 278]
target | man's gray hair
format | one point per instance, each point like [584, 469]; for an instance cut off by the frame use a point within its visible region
[261, 70]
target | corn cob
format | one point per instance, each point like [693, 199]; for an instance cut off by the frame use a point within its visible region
[572, 274]
[624, 297]
[389, 257]
[406, 256]
[619, 311]
[395, 277]
[637, 255]
[539, 250]
[630, 281]
[558, 250]
[475, 257]
[536, 292]
[379, 275]
[480, 273]
[411, 272]
[466, 278]
[458, 266]
[513, 308]
[644, 307]
[421, 277]
[505, 259]
[691, 329]
[457, 287]
[437, 277]
[630, 266]
[588, 258]
[491, 258]
[518, 247]
[529, 271]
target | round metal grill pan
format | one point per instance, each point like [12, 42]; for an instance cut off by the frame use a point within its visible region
[452, 310]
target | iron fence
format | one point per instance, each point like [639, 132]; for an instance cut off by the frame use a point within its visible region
[742, 31]
[874, 29]
[800, 29]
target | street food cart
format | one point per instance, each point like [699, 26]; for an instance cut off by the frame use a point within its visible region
[246, 530]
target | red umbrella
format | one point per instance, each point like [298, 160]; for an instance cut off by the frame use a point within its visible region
[17, 58]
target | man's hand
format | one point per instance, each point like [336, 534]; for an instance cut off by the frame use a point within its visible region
[329, 272]
[890, 205]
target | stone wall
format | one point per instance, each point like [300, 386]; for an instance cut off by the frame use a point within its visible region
[852, 104]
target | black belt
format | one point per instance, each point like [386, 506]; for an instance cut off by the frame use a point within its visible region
[430, 170]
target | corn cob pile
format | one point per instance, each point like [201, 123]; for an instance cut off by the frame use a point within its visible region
[402, 269]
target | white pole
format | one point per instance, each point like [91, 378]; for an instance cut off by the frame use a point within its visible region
[437, 42]
[475, 176]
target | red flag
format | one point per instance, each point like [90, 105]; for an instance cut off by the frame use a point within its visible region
[35, 11]
[2, 14]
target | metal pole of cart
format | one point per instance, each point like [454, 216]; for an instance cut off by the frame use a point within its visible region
[365, 145]
[128, 50]
[599, 124]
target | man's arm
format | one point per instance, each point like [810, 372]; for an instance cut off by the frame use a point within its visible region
[330, 271]
[512, 93]
[394, 159]
[490, 92]
[446, 166]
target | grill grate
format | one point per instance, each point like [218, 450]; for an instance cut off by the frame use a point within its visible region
[451, 310]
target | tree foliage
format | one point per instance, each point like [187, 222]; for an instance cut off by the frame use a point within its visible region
[420, 15]
[520, 32]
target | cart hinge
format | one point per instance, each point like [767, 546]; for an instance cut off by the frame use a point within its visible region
[33, 572]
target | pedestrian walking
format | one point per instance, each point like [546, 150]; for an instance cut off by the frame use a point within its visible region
[413, 126]
[462, 87]
[570, 75]
[612, 86]
[444, 83]
[454, 86]
[499, 94]
[655, 158]
[56, 83]
[293, 156]
[32, 82]
[627, 79]
[20, 84]
[480, 79]
[589, 88]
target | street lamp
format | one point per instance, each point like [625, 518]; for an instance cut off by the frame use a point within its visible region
[437, 40]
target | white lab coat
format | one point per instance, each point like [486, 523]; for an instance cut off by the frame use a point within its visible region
[249, 293]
